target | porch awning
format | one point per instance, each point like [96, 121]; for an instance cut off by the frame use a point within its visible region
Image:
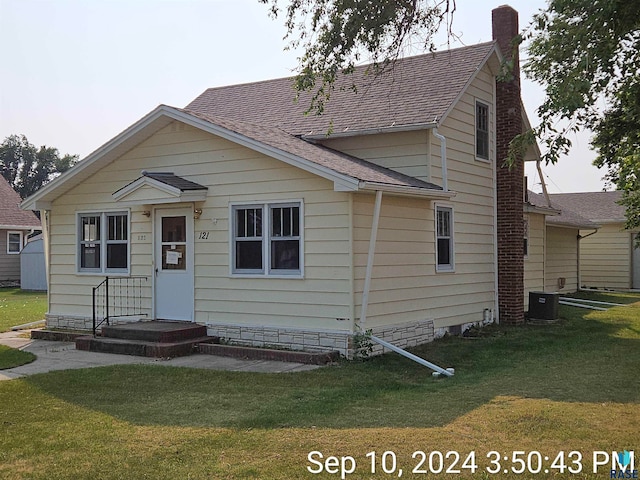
[159, 188]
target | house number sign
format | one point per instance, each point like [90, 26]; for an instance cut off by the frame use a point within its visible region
[203, 236]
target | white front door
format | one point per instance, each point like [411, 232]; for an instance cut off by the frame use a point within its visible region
[174, 283]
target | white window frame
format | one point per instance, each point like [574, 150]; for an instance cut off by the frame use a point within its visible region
[475, 131]
[9, 243]
[448, 267]
[266, 238]
[103, 242]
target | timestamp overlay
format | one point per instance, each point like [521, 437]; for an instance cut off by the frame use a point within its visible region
[391, 465]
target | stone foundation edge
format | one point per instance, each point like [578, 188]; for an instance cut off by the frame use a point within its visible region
[405, 335]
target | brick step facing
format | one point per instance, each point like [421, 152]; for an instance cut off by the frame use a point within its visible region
[141, 348]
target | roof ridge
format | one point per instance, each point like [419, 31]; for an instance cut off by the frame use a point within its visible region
[357, 67]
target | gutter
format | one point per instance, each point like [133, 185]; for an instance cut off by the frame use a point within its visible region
[406, 190]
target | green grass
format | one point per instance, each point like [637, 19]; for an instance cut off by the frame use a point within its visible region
[11, 357]
[573, 385]
[18, 307]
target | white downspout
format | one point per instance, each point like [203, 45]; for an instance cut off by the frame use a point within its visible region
[45, 220]
[370, 257]
[443, 157]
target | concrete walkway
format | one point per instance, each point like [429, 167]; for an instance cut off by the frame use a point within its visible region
[63, 356]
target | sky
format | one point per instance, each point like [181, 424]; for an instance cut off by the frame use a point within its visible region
[76, 73]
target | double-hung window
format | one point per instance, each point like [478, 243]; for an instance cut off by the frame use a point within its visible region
[266, 239]
[103, 242]
[444, 239]
[482, 130]
[14, 242]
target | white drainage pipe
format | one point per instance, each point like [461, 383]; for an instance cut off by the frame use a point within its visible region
[448, 371]
[581, 305]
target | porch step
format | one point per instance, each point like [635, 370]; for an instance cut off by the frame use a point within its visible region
[142, 348]
[155, 331]
[155, 338]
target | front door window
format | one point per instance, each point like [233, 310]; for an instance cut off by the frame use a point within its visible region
[174, 243]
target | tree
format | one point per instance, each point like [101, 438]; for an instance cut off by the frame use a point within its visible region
[587, 55]
[335, 34]
[27, 168]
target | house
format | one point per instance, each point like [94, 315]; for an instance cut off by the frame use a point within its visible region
[390, 212]
[608, 258]
[552, 245]
[15, 227]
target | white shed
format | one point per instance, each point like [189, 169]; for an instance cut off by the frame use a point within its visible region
[33, 275]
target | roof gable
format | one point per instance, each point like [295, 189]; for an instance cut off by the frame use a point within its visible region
[11, 217]
[160, 188]
[415, 92]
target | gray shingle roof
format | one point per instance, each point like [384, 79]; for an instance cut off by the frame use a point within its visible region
[169, 178]
[568, 217]
[10, 213]
[600, 207]
[337, 161]
[417, 90]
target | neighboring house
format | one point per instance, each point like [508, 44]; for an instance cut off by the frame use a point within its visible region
[553, 243]
[390, 212]
[608, 258]
[15, 227]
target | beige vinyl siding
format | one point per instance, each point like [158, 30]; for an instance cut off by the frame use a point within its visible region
[534, 262]
[321, 300]
[605, 257]
[562, 259]
[404, 152]
[9, 263]
[405, 285]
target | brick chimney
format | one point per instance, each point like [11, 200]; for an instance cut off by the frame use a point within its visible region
[510, 181]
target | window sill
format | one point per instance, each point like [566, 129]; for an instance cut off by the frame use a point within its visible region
[445, 270]
[296, 276]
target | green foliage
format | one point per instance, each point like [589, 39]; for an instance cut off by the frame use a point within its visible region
[586, 53]
[362, 345]
[617, 139]
[27, 168]
[337, 34]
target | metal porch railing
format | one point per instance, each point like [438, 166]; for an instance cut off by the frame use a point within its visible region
[117, 297]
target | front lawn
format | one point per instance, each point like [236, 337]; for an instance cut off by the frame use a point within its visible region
[566, 387]
[18, 307]
[11, 357]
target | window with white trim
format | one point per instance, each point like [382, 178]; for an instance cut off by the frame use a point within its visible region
[482, 130]
[103, 242]
[444, 239]
[14, 242]
[266, 239]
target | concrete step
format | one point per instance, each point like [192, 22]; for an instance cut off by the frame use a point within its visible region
[255, 353]
[142, 348]
[155, 331]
